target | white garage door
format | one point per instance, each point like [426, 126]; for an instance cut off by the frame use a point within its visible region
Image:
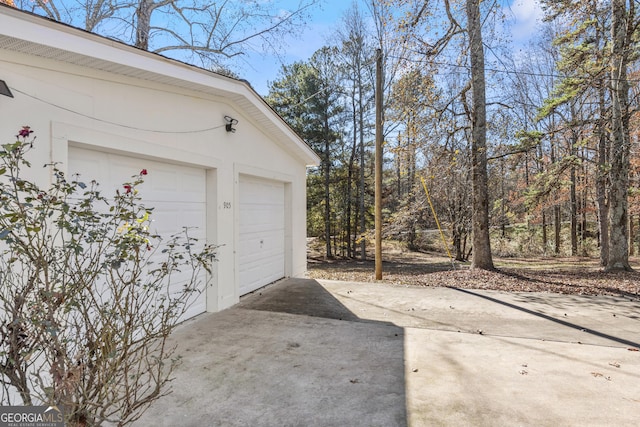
[261, 243]
[177, 194]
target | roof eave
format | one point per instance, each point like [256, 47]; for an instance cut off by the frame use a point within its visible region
[32, 34]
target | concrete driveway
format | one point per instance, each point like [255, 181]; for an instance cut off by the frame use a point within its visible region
[323, 353]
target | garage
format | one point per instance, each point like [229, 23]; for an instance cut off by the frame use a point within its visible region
[219, 159]
[177, 194]
[261, 232]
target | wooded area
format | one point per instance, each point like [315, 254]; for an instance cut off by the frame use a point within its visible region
[561, 153]
[524, 149]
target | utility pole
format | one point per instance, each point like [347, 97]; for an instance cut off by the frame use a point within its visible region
[378, 168]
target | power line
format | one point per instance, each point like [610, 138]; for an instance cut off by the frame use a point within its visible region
[505, 71]
[115, 123]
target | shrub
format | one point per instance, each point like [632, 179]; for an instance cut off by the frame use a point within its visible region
[87, 294]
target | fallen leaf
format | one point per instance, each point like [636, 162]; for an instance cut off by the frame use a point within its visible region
[632, 349]
[412, 268]
[598, 374]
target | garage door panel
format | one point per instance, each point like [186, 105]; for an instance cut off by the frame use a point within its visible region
[257, 244]
[120, 169]
[168, 218]
[259, 192]
[261, 227]
[177, 194]
[259, 253]
[181, 184]
[261, 236]
[85, 168]
[163, 182]
[193, 184]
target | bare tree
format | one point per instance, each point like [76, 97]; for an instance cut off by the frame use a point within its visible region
[481, 244]
[357, 57]
[623, 28]
[207, 31]
[416, 28]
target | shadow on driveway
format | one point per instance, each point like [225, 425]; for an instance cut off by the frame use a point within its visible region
[298, 296]
[327, 353]
[283, 357]
[554, 319]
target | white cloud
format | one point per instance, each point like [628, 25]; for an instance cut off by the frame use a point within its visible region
[527, 14]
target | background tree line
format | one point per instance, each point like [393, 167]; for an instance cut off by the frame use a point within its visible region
[562, 130]
[561, 156]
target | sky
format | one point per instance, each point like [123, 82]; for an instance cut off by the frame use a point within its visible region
[259, 69]
[299, 47]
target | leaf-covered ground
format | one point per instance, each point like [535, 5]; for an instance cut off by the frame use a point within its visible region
[578, 276]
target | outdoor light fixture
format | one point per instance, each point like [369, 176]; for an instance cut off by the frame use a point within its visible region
[231, 122]
[4, 89]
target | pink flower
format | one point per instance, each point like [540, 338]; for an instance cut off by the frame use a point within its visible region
[127, 188]
[24, 132]
[143, 172]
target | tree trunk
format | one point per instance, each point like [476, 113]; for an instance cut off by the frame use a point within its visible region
[363, 218]
[327, 192]
[573, 202]
[601, 176]
[398, 164]
[620, 140]
[631, 236]
[457, 246]
[584, 227]
[351, 248]
[481, 244]
[601, 182]
[503, 213]
[574, 212]
[544, 232]
[143, 23]
[558, 227]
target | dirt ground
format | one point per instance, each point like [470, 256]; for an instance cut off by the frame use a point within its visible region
[576, 276]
